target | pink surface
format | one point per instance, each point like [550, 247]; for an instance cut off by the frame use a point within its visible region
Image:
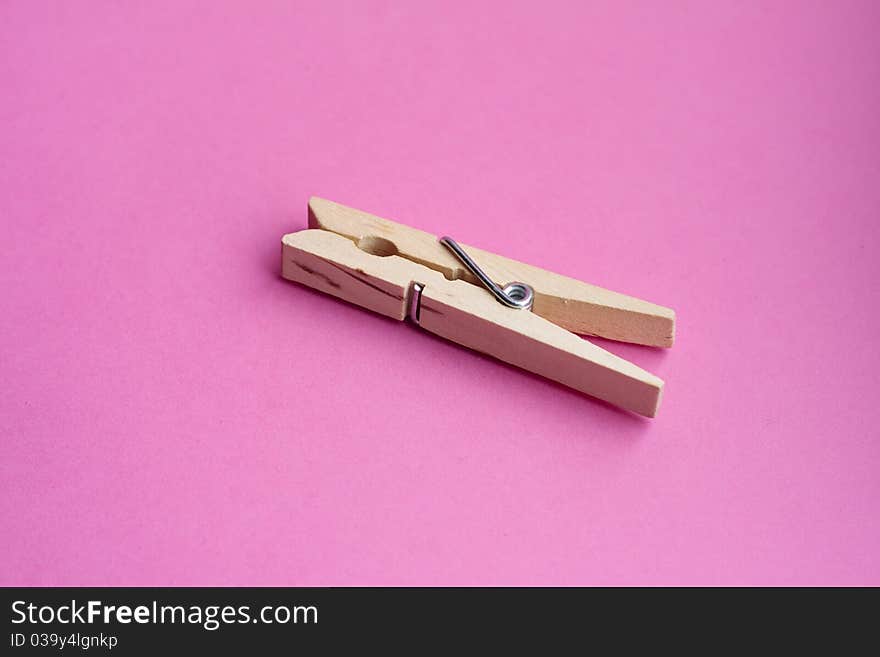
[172, 412]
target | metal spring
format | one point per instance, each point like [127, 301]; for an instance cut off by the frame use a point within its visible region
[512, 295]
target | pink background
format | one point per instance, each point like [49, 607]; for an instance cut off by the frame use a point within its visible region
[172, 412]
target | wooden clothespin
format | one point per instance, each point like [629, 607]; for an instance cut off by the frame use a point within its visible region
[450, 290]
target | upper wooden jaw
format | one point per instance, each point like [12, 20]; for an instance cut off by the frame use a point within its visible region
[572, 304]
